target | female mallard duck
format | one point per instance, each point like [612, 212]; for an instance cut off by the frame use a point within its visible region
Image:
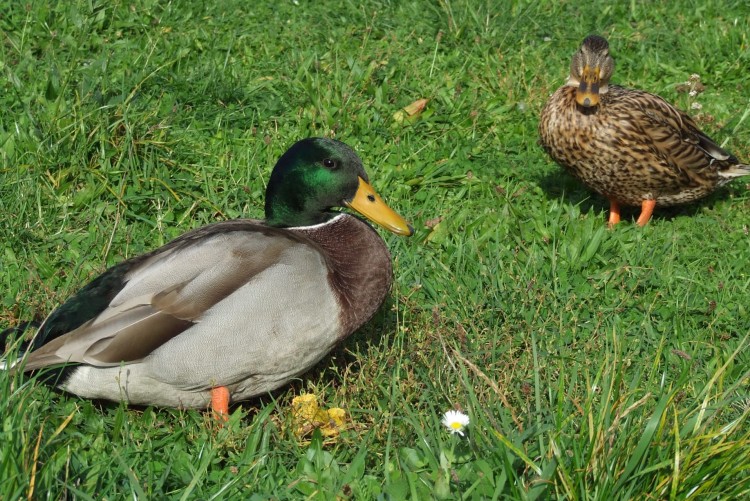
[237, 308]
[628, 145]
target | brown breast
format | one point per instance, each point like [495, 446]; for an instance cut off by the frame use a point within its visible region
[359, 264]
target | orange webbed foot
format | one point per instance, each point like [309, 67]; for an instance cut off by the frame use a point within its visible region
[647, 209]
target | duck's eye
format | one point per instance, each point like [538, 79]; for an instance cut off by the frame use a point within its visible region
[328, 163]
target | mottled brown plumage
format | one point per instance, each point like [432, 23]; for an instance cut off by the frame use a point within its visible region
[631, 146]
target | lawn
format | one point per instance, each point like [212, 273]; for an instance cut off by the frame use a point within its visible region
[593, 363]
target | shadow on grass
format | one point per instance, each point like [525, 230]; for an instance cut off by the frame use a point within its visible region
[378, 332]
[557, 184]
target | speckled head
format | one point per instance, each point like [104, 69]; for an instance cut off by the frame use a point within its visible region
[590, 71]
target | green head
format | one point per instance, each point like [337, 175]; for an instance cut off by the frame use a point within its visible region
[314, 176]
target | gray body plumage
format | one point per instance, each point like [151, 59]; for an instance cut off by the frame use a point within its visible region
[236, 304]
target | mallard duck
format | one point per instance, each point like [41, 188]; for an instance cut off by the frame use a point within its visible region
[234, 309]
[630, 146]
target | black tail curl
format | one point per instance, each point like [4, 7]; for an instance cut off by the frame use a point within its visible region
[10, 335]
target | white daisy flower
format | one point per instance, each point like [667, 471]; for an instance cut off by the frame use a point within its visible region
[455, 421]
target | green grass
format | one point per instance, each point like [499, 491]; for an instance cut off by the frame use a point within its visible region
[594, 364]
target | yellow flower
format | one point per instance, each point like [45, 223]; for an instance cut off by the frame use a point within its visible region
[308, 415]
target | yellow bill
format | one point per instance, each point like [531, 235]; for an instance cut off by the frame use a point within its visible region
[368, 203]
[588, 89]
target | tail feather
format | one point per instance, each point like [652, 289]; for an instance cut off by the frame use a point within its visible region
[737, 170]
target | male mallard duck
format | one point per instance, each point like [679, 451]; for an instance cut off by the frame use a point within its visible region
[628, 145]
[237, 308]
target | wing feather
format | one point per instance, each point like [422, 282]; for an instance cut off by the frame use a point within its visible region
[166, 292]
[676, 137]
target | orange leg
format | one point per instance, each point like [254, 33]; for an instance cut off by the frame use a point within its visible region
[220, 402]
[614, 212]
[647, 208]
